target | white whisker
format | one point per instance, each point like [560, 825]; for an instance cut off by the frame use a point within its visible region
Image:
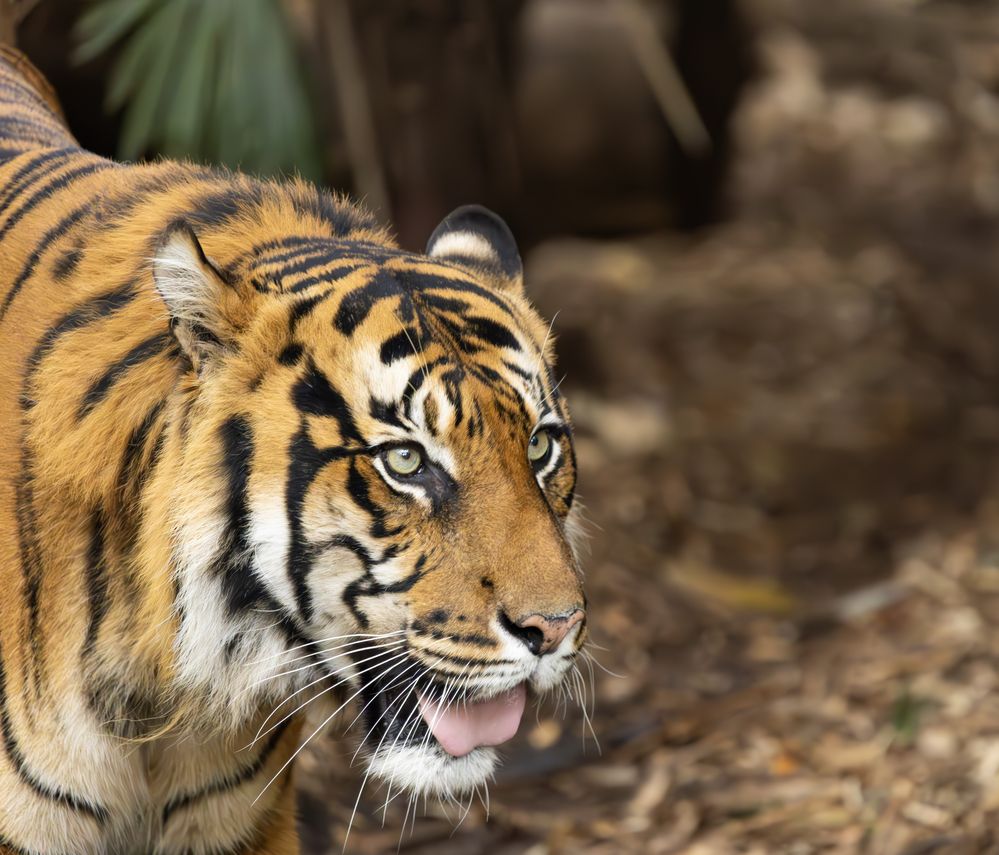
[367, 636]
[383, 663]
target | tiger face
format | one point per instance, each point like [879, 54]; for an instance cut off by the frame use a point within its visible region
[396, 499]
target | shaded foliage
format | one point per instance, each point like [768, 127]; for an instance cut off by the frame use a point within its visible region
[215, 82]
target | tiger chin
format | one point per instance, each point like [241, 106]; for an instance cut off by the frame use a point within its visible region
[262, 472]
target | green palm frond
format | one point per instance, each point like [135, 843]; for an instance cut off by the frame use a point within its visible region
[217, 81]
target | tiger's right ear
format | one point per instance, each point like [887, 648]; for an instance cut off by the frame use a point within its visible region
[476, 237]
[207, 311]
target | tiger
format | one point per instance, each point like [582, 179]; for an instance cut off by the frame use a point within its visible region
[255, 459]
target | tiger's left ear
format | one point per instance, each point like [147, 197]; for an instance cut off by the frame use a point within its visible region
[476, 237]
[207, 311]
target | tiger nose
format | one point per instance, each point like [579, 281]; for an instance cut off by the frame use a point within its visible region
[542, 633]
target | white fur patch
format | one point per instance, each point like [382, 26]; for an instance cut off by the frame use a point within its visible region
[464, 245]
[180, 278]
[430, 771]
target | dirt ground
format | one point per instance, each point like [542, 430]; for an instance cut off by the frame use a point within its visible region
[788, 429]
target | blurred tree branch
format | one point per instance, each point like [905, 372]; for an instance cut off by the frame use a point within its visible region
[335, 32]
[664, 78]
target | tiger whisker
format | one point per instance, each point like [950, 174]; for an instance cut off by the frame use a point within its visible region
[410, 723]
[357, 801]
[325, 660]
[588, 724]
[410, 804]
[547, 398]
[594, 661]
[318, 656]
[541, 352]
[361, 635]
[301, 747]
[418, 353]
[380, 692]
[382, 663]
[593, 685]
[402, 730]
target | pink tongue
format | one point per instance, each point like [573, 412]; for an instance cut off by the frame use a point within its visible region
[464, 727]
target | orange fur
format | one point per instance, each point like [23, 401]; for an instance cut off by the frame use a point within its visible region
[200, 374]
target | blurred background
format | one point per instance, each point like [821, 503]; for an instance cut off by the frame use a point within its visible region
[770, 232]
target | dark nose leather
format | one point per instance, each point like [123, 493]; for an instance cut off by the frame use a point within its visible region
[543, 633]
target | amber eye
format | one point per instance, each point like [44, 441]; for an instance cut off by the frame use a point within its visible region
[539, 446]
[403, 460]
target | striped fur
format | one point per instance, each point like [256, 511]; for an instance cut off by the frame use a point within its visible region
[202, 376]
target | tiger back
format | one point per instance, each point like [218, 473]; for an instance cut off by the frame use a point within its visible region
[257, 462]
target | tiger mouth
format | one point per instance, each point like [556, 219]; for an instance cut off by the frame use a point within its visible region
[425, 711]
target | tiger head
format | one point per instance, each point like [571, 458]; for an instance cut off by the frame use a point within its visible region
[374, 500]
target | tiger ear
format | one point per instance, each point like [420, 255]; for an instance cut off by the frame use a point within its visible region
[204, 305]
[476, 237]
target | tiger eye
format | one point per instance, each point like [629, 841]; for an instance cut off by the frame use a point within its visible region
[404, 460]
[539, 446]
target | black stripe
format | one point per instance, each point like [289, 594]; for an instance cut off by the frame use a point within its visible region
[386, 413]
[520, 372]
[446, 304]
[301, 247]
[29, 552]
[405, 584]
[461, 660]
[144, 350]
[357, 304]
[415, 381]
[240, 584]
[231, 782]
[343, 217]
[24, 178]
[291, 354]
[491, 331]
[27, 776]
[303, 308]
[128, 477]
[7, 153]
[82, 315]
[14, 84]
[368, 586]
[32, 128]
[114, 210]
[426, 282]
[282, 243]
[67, 263]
[305, 463]
[452, 381]
[320, 256]
[500, 386]
[357, 486]
[474, 638]
[97, 582]
[52, 187]
[31, 562]
[53, 234]
[398, 346]
[326, 278]
[225, 204]
[313, 395]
